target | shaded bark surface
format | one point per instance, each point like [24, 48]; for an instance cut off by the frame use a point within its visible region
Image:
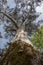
[21, 53]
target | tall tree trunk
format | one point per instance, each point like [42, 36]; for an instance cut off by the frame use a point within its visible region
[21, 51]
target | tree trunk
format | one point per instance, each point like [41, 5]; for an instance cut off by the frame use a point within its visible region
[22, 52]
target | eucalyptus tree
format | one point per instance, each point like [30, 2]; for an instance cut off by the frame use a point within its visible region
[21, 51]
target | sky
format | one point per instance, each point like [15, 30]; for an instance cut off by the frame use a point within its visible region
[40, 10]
[11, 4]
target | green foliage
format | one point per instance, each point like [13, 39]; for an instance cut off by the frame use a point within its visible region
[37, 39]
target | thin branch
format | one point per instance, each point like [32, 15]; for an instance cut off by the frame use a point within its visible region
[23, 25]
[12, 19]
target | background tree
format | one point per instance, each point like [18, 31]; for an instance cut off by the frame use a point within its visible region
[37, 39]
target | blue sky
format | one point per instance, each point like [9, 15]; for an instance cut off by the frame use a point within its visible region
[11, 3]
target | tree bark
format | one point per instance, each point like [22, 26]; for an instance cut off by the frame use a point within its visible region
[22, 52]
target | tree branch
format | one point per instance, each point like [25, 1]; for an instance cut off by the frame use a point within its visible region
[12, 19]
[23, 25]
